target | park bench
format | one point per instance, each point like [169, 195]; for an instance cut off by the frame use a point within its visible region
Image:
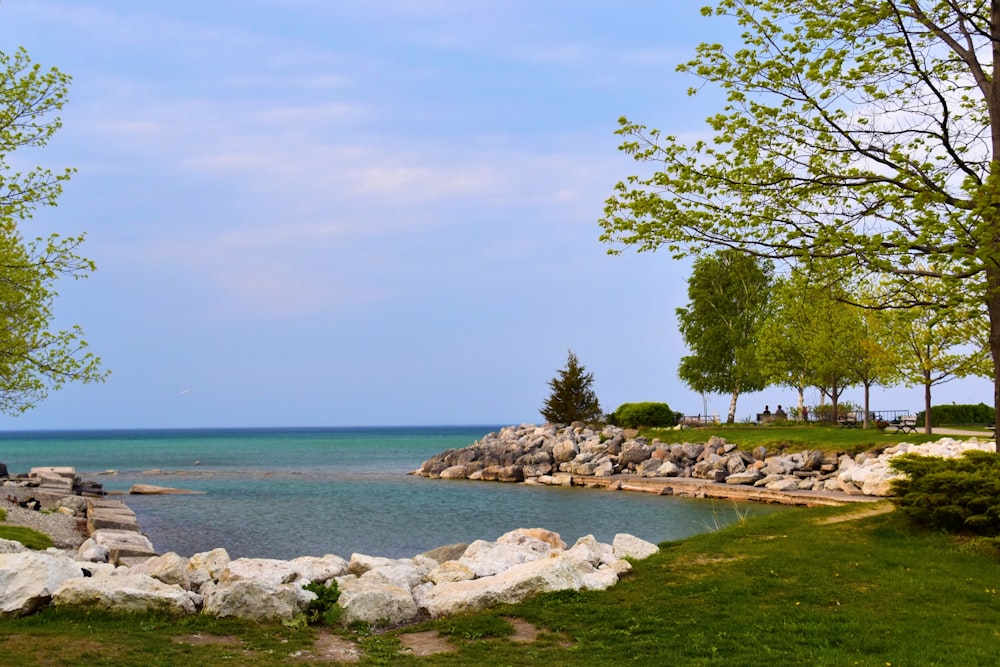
[904, 425]
[849, 421]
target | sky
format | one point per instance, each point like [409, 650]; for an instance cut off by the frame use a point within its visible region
[345, 213]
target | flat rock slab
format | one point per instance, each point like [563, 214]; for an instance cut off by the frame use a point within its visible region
[152, 489]
[57, 471]
[123, 544]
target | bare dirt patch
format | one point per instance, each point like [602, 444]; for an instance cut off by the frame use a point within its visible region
[425, 643]
[329, 647]
[207, 640]
[524, 632]
[880, 508]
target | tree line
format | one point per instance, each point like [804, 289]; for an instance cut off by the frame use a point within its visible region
[748, 328]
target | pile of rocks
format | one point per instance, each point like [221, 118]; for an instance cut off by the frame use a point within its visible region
[375, 590]
[577, 454]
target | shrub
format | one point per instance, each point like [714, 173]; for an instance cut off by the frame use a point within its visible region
[959, 414]
[958, 495]
[634, 415]
[324, 609]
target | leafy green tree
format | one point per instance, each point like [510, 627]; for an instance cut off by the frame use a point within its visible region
[33, 358]
[727, 301]
[862, 133]
[941, 346]
[572, 398]
[812, 339]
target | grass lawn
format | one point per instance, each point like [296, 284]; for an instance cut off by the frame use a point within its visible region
[796, 437]
[798, 587]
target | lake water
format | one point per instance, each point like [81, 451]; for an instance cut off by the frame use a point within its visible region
[282, 493]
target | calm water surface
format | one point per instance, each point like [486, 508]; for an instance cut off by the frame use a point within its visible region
[281, 493]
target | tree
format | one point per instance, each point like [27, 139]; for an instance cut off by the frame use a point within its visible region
[862, 134]
[573, 398]
[728, 296]
[880, 355]
[33, 358]
[941, 345]
[811, 339]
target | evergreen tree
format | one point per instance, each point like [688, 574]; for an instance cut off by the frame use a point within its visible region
[573, 398]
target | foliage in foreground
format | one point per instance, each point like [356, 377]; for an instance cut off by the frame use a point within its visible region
[959, 495]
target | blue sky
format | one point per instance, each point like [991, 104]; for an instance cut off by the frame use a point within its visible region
[322, 212]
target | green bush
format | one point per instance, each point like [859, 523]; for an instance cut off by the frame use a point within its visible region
[634, 415]
[959, 495]
[959, 414]
[324, 609]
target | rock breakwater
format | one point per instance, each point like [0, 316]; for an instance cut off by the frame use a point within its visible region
[618, 458]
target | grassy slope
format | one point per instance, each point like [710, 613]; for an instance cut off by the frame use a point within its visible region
[785, 589]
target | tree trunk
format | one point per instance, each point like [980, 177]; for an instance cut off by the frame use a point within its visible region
[802, 404]
[864, 421]
[993, 308]
[731, 418]
[927, 403]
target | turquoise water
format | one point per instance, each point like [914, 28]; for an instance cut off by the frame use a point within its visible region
[281, 493]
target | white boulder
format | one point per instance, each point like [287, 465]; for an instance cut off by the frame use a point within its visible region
[513, 585]
[169, 568]
[375, 602]
[271, 570]
[256, 600]
[316, 568]
[132, 593]
[29, 578]
[207, 566]
[630, 546]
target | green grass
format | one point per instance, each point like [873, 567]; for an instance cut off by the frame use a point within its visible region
[792, 437]
[26, 536]
[790, 588]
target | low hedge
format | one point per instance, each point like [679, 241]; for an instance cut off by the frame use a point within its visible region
[636, 415]
[959, 414]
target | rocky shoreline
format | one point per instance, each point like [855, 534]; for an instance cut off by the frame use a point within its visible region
[616, 458]
[106, 563]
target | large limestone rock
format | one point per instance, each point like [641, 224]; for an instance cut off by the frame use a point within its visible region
[630, 546]
[256, 600]
[489, 558]
[270, 570]
[29, 578]
[206, 566]
[451, 570]
[131, 593]
[375, 602]
[511, 586]
[168, 568]
[123, 544]
[405, 572]
[11, 547]
[314, 568]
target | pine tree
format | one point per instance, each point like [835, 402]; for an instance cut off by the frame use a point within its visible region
[573, 398]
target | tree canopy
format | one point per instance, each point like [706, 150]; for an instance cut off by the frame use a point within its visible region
[34, 359]
[861, 136]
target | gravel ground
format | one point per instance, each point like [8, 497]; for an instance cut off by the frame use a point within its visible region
[67, 532]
